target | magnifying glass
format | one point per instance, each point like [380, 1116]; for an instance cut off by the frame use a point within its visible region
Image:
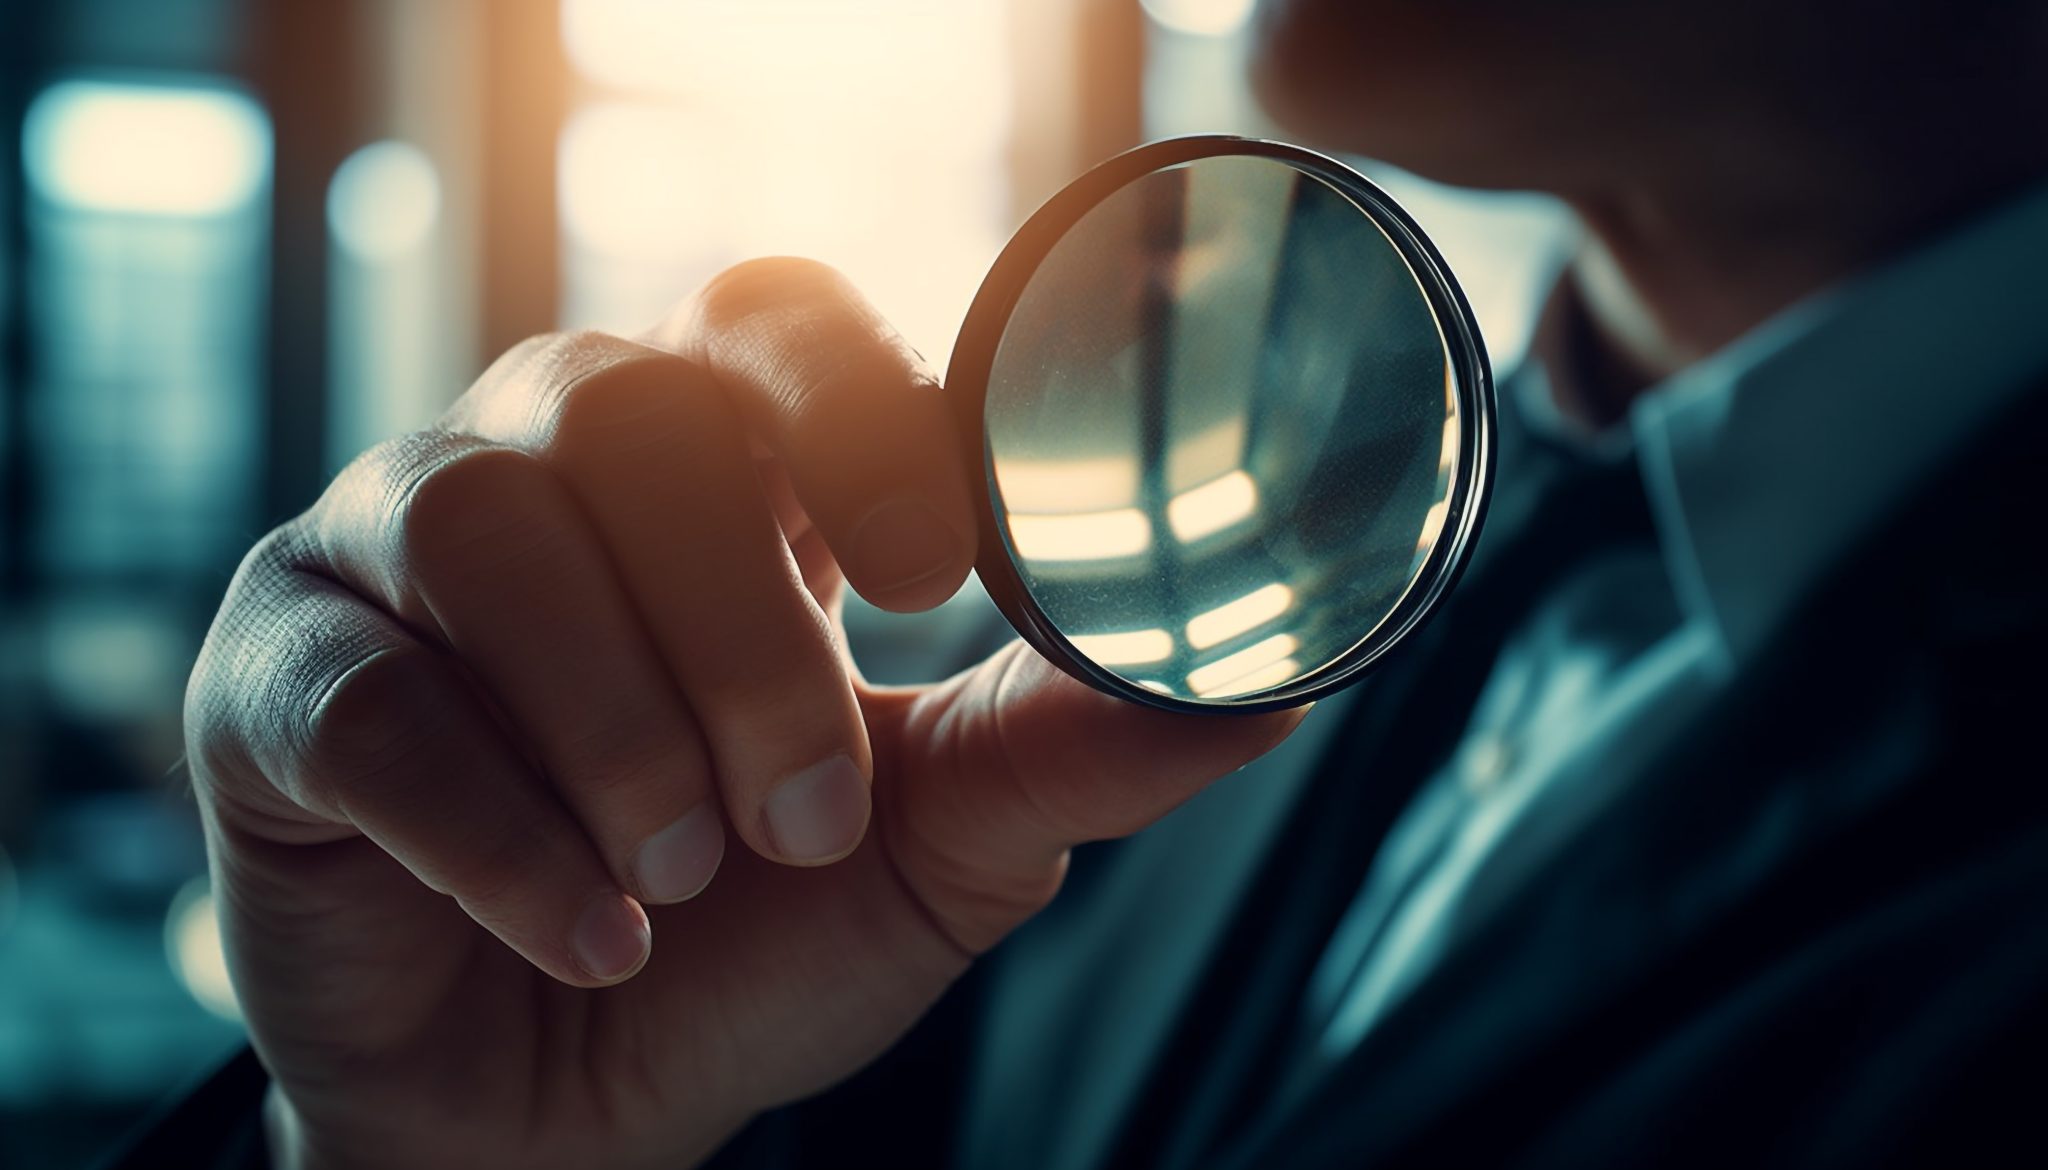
[1233, 424]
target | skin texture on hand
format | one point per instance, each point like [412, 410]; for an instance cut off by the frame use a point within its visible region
[549, 823]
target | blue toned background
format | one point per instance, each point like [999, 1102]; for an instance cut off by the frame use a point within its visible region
[239, 242]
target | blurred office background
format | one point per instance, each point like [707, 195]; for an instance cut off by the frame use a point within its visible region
[239, 242]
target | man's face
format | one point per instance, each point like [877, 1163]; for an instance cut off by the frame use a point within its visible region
[1570, 94]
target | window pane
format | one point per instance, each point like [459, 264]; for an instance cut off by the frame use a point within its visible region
[146, 261]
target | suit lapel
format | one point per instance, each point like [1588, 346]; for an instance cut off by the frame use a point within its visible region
[1638, 885]
[1680, 886]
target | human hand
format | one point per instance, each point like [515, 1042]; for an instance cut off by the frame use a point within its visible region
[470, 737]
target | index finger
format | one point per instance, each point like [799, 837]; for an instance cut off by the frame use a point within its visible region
[854, 415]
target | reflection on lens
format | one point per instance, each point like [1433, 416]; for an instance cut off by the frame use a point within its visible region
[1136, 648]
[1080, 536]
[1222, 429]
[1221, 503]
[1241, 616]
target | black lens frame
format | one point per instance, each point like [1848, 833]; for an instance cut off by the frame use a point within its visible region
[974, 359]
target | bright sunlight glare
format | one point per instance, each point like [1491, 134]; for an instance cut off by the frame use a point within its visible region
[868, 135]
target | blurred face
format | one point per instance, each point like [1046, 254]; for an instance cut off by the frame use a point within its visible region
[1422, 83]
[1582, 95]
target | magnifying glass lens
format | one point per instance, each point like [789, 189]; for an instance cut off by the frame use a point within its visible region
[1225, 429]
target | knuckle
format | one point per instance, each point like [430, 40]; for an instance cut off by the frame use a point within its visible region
[280, 550]
[569, 358]
[373, 716]
[619, 399]
[515, 366]
[818, 356]
[769, 284]
[213, 713]
[208, 727]
[373, 487]
[208, 714]
[265, 575]
[475, 495]
[524, 399]
[651, 403]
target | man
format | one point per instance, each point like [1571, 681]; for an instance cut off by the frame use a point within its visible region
[551, 829]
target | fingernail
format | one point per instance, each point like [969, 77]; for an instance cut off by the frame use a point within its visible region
[901, 543]
[818, 813]
[611, 938]
[675, 864]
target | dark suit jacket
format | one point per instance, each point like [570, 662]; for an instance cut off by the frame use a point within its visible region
[1817, 937]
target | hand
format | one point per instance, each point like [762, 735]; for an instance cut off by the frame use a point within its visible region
[472, 736]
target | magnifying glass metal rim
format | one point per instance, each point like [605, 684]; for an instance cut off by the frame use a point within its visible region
[973, 361]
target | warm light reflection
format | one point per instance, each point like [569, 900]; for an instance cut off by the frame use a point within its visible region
[1081, 536]
[1068, 485]
[192, 942]
[1432, 525]
[1213, 451]
[1241, 616]
[1214, 506]
[1132, 648]
[1447, 458]
[1224, 676]
[146, 149]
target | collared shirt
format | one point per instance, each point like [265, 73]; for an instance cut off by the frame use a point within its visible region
[1764, 466]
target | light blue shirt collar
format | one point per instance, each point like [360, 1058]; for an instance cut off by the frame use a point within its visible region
[1768, 462]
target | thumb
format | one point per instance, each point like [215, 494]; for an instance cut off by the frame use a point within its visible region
[999, 771]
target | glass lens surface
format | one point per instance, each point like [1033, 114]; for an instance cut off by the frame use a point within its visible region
[1222, 430]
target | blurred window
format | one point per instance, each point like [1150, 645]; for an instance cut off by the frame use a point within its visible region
[386, 324]
[146, 223]
[716, 130]
[147, 236]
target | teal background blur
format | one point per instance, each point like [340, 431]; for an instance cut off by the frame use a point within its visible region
[239, 242]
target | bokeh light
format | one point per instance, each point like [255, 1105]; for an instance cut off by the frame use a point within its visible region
[384, 201]
[192, 943]
[146, 149]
